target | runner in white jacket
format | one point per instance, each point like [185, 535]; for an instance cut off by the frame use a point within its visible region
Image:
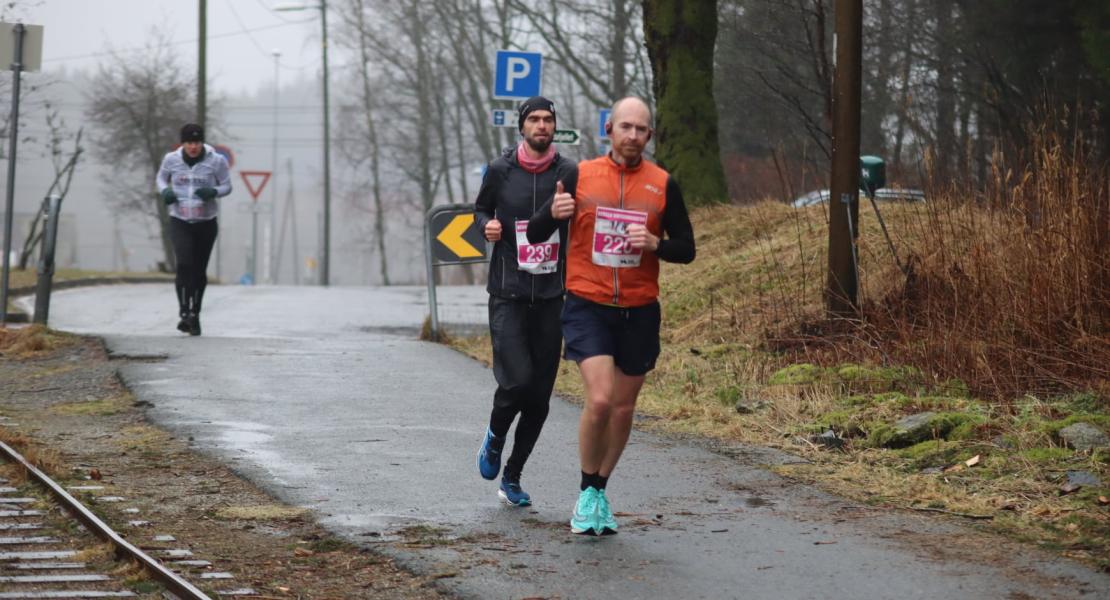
[189, 181]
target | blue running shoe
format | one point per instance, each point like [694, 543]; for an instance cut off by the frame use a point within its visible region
[512, 494]
[606, 524]
[584, 519]
[489, 456]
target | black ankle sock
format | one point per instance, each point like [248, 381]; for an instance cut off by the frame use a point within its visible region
[588, 480]
[600, 482]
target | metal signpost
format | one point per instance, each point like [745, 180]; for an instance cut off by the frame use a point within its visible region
[250, 178]
[25, 43]
[450, 238]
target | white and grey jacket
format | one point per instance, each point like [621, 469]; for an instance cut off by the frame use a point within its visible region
[212, 171]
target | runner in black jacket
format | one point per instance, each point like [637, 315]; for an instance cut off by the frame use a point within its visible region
[526, 284]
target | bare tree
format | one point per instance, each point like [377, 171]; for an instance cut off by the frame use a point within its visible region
[64, 164]
[137, 106]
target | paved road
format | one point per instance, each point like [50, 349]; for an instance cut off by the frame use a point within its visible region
[325, 398]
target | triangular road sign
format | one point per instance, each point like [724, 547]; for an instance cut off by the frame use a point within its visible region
[260, 177]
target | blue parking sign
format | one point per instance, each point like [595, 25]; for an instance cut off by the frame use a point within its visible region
[602, 117]
[518, 75]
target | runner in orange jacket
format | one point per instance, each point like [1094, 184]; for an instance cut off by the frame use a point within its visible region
[626, 215]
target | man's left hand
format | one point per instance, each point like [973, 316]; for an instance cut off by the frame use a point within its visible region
[206, 193]
[642, 239]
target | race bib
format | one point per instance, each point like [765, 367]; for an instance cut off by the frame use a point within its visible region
[536, 259]
[611, 243]
[191, 209]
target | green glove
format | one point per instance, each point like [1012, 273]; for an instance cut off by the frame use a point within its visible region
[206, 193]
[168, 196]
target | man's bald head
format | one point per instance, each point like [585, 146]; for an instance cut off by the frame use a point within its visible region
[632, 103]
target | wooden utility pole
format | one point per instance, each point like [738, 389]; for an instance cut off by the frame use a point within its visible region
[841, 291]
[202, 43]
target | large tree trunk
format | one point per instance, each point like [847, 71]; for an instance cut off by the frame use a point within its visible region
[680, 36]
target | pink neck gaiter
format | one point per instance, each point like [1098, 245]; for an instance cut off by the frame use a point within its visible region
[534, 165]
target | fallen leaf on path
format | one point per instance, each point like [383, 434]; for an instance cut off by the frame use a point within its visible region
[971, 462]
[95, 475]
[1103, 500]
[822, 543]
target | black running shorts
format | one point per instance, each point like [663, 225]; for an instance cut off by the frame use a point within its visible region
[629, 335]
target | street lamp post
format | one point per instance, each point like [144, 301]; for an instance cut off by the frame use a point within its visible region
[272, 271]
[325, 259]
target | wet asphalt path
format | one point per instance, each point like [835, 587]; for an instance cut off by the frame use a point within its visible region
[325, 398]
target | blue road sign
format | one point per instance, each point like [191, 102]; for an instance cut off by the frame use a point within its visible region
[500, 117]
[518, 75]
[602, 117]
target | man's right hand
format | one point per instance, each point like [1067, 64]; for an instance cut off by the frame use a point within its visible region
[493, 230]
[168, 196]
[563, 205]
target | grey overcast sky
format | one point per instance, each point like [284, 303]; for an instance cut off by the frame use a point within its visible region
[79, 34]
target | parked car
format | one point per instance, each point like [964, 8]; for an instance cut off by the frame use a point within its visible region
[896, 194]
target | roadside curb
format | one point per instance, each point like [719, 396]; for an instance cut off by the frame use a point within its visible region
[16, 316]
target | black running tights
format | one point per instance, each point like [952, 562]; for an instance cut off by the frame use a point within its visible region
[192, 246]
[527, 338]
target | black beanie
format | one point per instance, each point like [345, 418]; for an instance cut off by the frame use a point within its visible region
[531, 104]
[192, 132]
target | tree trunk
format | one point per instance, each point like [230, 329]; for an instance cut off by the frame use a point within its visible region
[680, 36]
[375, 146]
[946, 93]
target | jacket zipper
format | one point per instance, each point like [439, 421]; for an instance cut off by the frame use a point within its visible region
[531, 277]
[616, 281]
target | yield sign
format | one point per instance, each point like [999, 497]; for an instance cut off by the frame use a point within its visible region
[257, 177]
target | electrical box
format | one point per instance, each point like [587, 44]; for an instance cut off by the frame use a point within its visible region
[872, 174]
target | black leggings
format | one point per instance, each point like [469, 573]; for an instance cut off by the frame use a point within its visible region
[192, 246]
[527, 338]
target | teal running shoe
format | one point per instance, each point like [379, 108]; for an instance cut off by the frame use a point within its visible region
[512, 493]
[489, 456]
[584, 519]
[606, 524]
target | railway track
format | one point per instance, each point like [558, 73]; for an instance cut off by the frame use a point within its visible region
[53, 546]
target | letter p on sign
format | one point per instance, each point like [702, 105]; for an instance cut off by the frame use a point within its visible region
[517, 75]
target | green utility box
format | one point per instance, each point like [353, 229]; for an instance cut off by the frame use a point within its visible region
[872, 174]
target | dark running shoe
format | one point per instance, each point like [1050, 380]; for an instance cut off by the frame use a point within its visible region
[489, 456]
[512, 494]
[183, 325]
[194, 324]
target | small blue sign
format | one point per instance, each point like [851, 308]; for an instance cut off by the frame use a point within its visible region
[500, 117]
[602, 117]
[518, 75]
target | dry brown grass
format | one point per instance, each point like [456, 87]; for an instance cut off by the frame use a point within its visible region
[31, 340]
[1009, 290]
[45, 459]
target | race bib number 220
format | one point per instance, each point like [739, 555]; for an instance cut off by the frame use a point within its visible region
[612, 247]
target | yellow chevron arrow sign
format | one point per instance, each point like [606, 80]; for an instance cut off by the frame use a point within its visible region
[451, 236]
